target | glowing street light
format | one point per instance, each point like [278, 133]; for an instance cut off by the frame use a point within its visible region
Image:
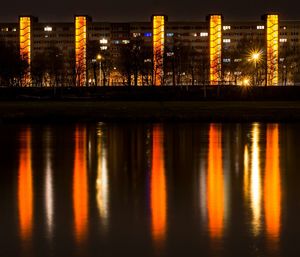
[99, 59]
[255, 56]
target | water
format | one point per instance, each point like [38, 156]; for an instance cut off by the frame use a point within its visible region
[150, 190]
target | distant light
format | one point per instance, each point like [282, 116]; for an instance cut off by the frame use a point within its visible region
[246, 82]
[48, 28]
[169, 54]
[226, 27]
[283, 40]
[135, 34]
[103, 41]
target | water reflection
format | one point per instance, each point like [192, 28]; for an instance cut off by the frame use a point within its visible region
[272, 186]
[102, 182]
[158, 188]
[25, 186]
[48, 187]
[215, 183]
[255, 180]
[80, 185]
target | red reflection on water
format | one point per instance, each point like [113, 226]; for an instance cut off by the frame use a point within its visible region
[215, 183]
[158, 187]
[25, 186]
[272, 184]
[80, 185]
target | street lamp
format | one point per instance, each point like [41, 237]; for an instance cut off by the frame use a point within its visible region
[99, 59]
[255, 56]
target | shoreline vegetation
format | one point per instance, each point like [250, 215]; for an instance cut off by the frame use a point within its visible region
[188, 104]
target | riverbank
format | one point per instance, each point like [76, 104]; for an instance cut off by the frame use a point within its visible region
[198, 111]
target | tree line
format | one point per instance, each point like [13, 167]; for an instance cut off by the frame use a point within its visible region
[131, 64]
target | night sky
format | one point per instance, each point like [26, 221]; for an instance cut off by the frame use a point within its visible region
[141, 10]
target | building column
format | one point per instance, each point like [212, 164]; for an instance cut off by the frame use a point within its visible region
[215, 49]
[25, 32]
[272, 46]
[80, 50]
[158, 48]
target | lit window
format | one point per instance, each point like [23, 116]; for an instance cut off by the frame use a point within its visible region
[226, 40]
[195, 34]
[281, 59]
[227, 60]
[103, 47]
[204, 34]
[136, 34]
[116, 42]
[148, 34]
[260, 27]
[226, 27]
[283, 40]
[170, 54]
[237, 60]
[48, 28]
[103, 41]
[170, 34]
[14, 29]
[125, 42]
[237, 73]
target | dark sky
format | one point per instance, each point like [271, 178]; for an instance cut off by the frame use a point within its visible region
[141, 10]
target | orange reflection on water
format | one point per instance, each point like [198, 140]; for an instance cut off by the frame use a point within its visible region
[215, 183]
[80, 185]
[272, 183]
[25, 186]
[158, 187]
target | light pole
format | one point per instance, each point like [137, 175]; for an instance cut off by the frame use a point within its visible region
[255, 57]
[99, 59]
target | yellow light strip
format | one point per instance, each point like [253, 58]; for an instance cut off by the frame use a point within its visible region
[272, 50]
[80, 49]
[25, 46]
[158, 49]
[215, 49]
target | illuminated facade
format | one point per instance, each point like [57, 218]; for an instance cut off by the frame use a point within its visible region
[25, 23]
[158, 49]
[215, 49]
[206, 38]
[80, 50]
[272, 34]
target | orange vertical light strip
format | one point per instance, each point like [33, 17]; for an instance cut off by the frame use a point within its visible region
[80, 49]
[80, 185]
[215, 183]
[158, 187]
[25, 186]
[215, 49]
[25, 46]
[272, 49]
[158, 49]
[272, 183]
